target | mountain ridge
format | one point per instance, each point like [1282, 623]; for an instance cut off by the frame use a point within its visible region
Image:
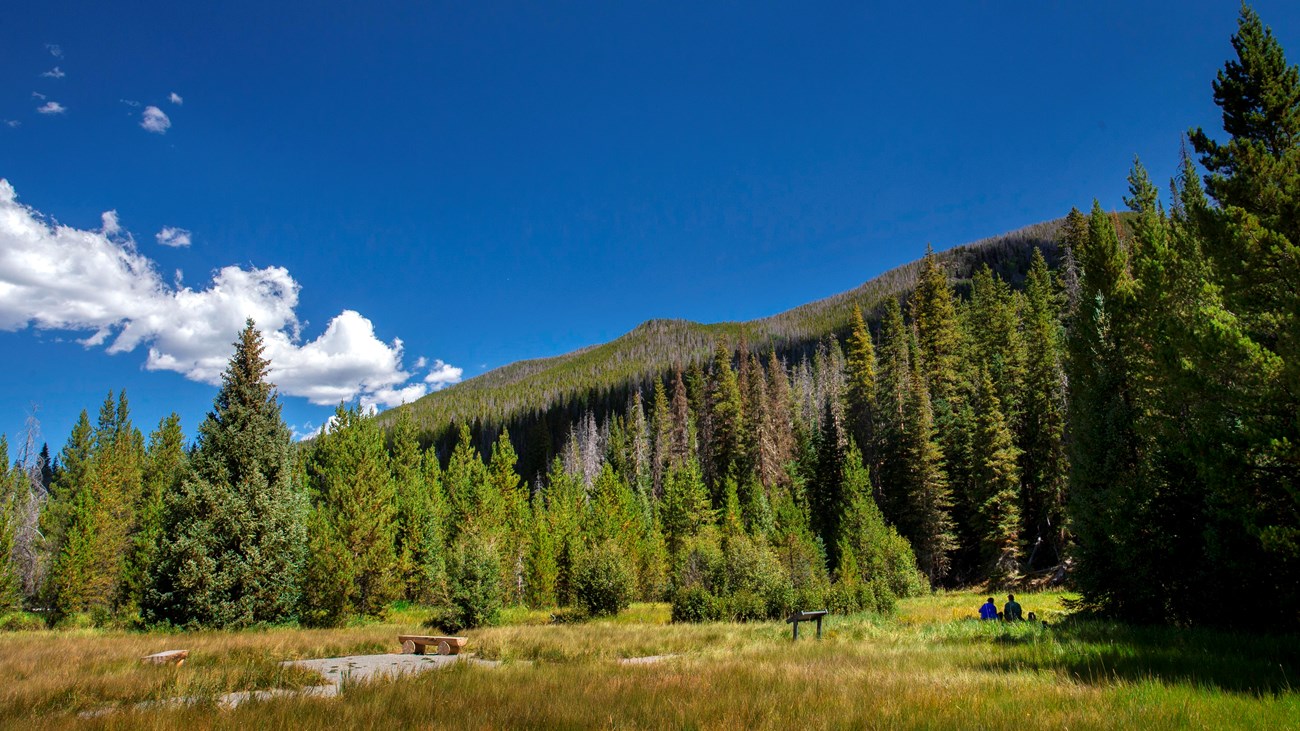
[654, 347]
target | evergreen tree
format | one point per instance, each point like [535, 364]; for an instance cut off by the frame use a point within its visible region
[352, 488]
[997, 485]
[726, 419]
[661, 424]
[236, 525]
[10, 584]
[1104, 459]
[779, 449]
[893, 389]
[470, 494]
[165, 465]
[870, 549]
[685, 509]
[1043, 464]
[421, 510]
[927, 520]
[860, 372]
[1249, 324]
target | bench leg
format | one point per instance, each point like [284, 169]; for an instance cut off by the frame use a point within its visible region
[796, 630]
[819, 628]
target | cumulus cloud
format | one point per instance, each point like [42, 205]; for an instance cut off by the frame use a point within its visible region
[111, 226]
[54, 50]
[176, 99]
[174, 237]
[154, 120]
[54, 73]
[442, 375]
[51, 108]
[55, 277]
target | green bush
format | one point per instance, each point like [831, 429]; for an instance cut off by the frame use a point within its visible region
[21, 622]
[603, 583]
[475, 578]
[695, 604]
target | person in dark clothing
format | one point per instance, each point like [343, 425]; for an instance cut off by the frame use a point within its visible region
[1012, 609]
[989, 610]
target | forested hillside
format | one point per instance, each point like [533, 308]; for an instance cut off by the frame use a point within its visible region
[537, 399]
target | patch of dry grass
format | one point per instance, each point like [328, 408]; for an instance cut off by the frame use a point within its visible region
[928, 667]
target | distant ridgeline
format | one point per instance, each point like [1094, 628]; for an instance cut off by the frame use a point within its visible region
[539, 401]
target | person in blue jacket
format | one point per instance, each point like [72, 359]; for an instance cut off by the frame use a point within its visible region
[989, 610]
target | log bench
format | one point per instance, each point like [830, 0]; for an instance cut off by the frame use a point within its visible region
[417, 644]
[167, 657]
[798, 617]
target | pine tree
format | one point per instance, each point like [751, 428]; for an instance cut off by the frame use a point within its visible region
[934, 312]
[997, 485]
[511, 498]
[236, 525]
[10, 584]
[661, 442]
[352, 488]
[870, 549]
[470, 496]
[165, 465]
[420, 514]
[1043, 464]
[893, 389]
[927, 519]
[685, 508]
[860, 372]
[1104, 458]
[779, 450]
[1250, 324]
[726, 419]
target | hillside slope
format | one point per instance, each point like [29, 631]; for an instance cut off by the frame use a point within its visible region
[534, 387]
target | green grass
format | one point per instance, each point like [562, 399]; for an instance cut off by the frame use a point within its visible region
[929, 666]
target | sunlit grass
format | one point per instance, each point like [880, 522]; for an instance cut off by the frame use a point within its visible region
[931, 665]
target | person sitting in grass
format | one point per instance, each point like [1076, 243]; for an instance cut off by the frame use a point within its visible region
[1012, 610]
[989, 610]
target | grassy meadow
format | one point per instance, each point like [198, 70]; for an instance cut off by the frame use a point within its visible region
[928, 666]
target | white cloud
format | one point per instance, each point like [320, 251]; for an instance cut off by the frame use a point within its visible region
[54, 50]
[111, 226]
[130, 102]
[11, 123]
[176, 99]
[173, 237]
[38, 95]
[51, 108]
[54, 73]
[154, 120]
[55, 277]
[442, 375]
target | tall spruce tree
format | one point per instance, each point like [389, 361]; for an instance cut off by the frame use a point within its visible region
[236, 525]
[1043, 464]
[421, 510]
[997, 486]
[1252, 242]
[352, 489]
[10, 585]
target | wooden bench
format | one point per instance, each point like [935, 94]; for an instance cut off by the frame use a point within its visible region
[798, 617]
[417, 644]
[167, 657]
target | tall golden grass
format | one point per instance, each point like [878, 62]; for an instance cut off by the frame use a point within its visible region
[928, 667]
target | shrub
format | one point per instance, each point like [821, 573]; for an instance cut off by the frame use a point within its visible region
[21, 622]
[602, 582]
[695, 604]
[475, 577]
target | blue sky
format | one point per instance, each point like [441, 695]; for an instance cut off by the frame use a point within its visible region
[403, 191]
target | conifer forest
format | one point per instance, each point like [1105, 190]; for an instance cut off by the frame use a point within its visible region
[1109, 402]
